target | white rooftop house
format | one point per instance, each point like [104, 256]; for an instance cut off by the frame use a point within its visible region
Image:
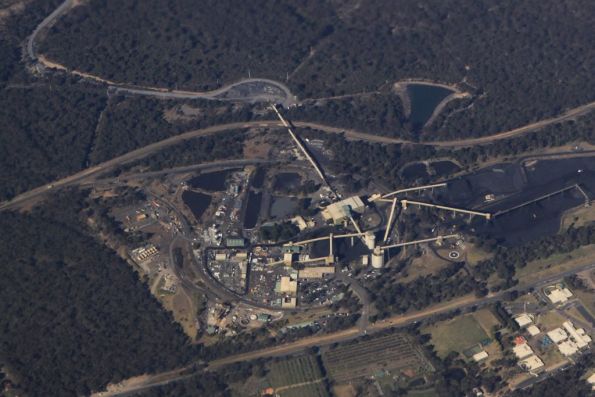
[533, 330]
[568, 348]
[531, 363]
[523, 320]
[578, 336]
[557, 294]
[557, 335]
[522, 351]
[482, 355]
[591, 380]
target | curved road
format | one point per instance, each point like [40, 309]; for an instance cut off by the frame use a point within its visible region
[287, 98]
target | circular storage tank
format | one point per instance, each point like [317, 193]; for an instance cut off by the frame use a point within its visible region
[370, 240]
[377, 258]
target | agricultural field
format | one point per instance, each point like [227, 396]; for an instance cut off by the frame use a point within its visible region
[300, 376]
[462, 333]
[387, 353]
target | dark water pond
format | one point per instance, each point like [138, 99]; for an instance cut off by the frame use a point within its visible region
[515, 186]
[287, 181]
[424, 98]
[197, 202]
[212, 181]
[258, 179]
[415, 171]
[252, 210]
[444, 168]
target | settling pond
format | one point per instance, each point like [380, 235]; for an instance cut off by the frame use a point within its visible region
[423, 99]
[211, 182]
[197, 202]
[252, 210]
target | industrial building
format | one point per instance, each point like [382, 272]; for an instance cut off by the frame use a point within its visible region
[238, 242]
[144, 253]
[287, 286]
[315, 272]
[343, 210]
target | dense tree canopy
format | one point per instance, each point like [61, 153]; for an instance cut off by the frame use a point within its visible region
[75, 316]
[521, 61]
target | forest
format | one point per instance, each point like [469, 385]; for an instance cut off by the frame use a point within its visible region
[397, 298]
[74, 315]
[506, 260]
[188, 45]
[203, 149]
[506, 54]
[380, 114]
[133, 122]
[46, 133]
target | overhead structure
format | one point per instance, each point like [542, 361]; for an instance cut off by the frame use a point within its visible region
[313, 240]
[390, 220]
[412, 189]
[545, 196]
[425, 240]
[301, 146]
[405, 203]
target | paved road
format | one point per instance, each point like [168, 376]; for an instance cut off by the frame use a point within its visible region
[48, 21]
[214, 166]
[343, 335]
[287, 98]
[363, 296]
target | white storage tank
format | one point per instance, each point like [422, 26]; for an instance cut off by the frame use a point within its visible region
[378, 258]
[370, 240]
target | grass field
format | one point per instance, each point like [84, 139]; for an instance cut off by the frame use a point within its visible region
[486, 320]
[424, 265]
[588, 300]
[422, 393]
[300, 376]
[578, 217]
[474, 255]
[556, 263]
[457, 334]
[550, 320]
